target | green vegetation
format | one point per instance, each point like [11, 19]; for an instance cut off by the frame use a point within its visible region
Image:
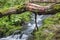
[50, 28]
[9, 25]
[16, 7]
[5, 5]
[10, 3]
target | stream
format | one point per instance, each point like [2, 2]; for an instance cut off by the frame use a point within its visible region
[30, 27]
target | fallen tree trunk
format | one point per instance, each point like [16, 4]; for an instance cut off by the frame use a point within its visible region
[49, 9]
[31, 7]
[13, 10]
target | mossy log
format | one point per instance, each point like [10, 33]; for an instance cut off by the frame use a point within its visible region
[12, 10]
[31, 7]
[49, 9]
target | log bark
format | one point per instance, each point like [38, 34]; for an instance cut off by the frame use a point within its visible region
[40, 9]
[45, 1]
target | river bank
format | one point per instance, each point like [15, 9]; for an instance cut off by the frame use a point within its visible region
[50, 30]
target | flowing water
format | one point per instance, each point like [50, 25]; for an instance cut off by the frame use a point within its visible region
[27, 32]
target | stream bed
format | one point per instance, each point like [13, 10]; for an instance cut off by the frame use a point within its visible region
[25, 34]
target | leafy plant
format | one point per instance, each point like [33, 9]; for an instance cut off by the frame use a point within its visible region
[8, 26]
